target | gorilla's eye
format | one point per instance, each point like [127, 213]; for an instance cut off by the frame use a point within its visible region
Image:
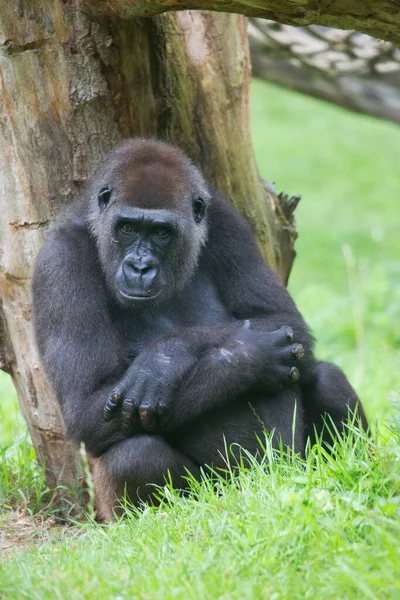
[162, 233]
[199, 210]
[104, 197]
[126, 228]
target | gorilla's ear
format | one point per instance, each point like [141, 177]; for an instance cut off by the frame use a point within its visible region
[104, 197]
[199, 209]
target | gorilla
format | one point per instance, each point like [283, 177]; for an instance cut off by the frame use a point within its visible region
[166, 337]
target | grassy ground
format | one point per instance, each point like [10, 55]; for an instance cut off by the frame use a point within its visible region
[325, 528]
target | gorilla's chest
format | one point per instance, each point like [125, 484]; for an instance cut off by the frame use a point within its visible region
[197, 306]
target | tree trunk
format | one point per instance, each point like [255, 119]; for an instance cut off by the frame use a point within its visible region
[71, 88]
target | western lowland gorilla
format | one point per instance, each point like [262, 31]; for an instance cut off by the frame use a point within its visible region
[164, 334]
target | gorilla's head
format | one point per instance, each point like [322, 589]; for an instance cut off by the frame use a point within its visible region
[148, 213]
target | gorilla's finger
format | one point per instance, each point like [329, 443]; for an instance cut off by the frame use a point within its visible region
[283, 336]
[128, 415]
[163, 413]
[297, 351]
[289, 333]
[147, 417]
[113, 402]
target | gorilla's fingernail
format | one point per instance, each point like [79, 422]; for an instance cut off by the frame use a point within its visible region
[289, 334]
[294, 374]
[298, 351]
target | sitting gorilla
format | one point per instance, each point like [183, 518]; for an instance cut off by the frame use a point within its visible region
[166, 337]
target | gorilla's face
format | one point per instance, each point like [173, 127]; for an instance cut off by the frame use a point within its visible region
[154, 253]
[148, 214]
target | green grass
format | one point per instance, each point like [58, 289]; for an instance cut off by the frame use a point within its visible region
[22, 482]
[11, 421]
[327, 528]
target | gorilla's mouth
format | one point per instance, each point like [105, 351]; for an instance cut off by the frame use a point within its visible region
[140, 297]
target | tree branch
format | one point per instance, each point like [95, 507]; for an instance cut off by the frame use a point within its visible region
[346, 68]
[378, 18]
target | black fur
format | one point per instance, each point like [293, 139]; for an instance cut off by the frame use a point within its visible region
[164, 333]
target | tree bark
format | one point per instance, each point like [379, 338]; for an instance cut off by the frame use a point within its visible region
[71, 88]
[379, 18]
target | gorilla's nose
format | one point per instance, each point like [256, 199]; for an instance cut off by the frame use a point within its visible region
[140, 273]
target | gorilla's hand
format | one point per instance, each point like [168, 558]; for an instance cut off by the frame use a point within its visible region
[145, 392]
[271, 355]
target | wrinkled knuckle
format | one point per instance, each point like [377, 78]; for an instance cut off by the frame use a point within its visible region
[107, 413]
[127, 407]
[128, 402]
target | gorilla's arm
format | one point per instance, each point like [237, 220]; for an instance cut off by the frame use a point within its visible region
[185, 374]
[246, 359]
[76, 339]
[248, 287]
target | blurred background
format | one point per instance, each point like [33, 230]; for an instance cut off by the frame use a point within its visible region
[346, 275]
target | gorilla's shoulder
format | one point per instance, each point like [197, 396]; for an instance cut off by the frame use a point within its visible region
[227, 230]
[71, 225]
[68, 241]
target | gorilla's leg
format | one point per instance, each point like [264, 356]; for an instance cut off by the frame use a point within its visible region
[135, 466]
[329, 401]
[207, 440]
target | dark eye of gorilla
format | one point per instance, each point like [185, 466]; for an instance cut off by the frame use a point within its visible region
[198, 210]
[162, 233]
[126, 228]
[104, 197]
